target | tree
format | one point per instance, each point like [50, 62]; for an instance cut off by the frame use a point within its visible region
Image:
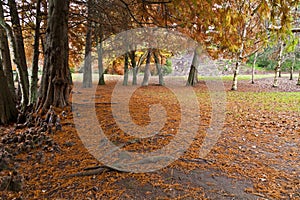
[35, 62]
[56, 81]
[87, 69]
[279, 63]
[7, 66]
[8, 111]
[147, 69]
[20, 57]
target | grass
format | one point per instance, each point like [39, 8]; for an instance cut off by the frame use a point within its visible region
[271, 101]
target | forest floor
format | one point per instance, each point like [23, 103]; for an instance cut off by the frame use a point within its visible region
[256, 157]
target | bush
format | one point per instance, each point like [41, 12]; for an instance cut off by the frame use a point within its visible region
[167, 68]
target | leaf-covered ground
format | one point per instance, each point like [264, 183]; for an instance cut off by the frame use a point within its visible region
[256, 157]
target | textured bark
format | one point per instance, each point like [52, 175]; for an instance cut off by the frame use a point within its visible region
[158, 68]
[147, 69]
[279, 63]
[87, 69]
[6, 59]
[193, 75]
[126, 69]
[253, 67]
[20, 52]
[8, 111]
[35, 62]
[134, 67]
[56, 81]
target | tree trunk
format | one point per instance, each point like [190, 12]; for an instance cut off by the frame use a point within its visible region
[279, 62]
[126, 70]
[87, 69]
[193, 74]
[134, 67]
[298, 82]
[35, 62]
[253, 67]
[158, 68]
[8, 111]
[239, 58]
[100, 61]
[292, 67]
[7, 67]
[147, 69]
[20, 51]
[56, 82]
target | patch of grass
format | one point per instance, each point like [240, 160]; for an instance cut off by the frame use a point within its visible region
[271, 101]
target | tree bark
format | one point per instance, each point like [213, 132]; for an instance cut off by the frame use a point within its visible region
[7, 67]
[126, 70]
[87, 69]
[298, 82]
[253, 67]
[159, 70]
[134, 67]
[8, 111]
[147, 69]
[56, 81]
[35, 62]
[293, 66]
[193, 74]
[20, 52]
[100, 61]
[279, 62]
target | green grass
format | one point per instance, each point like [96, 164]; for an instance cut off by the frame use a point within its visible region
[245, 77]
[271, 101]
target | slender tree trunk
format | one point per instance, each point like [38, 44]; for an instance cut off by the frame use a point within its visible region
[87, 69]
[158, 68]
[56, 83]
[8, 111]
[193, 74]
[35, 62]
[239, 59]
[7, 67]
[292, 67]
[279, 62]
[134, 67]
[100, 61]
[126, 70]
[298, 82]
[20, 50]
[147, 69]
[253, 67]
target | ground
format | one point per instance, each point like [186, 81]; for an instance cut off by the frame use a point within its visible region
[256, 157]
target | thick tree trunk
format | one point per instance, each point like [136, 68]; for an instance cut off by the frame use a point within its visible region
[253, 67]
[126, 69]
[56, 82]
[293, 66]
[20, 51]
[193, 74]
[279, 62]
[134, 67]
[158, 68]
[87, 69]
[8, 111]
[7, 67]
[35, 62]
[147, 69]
